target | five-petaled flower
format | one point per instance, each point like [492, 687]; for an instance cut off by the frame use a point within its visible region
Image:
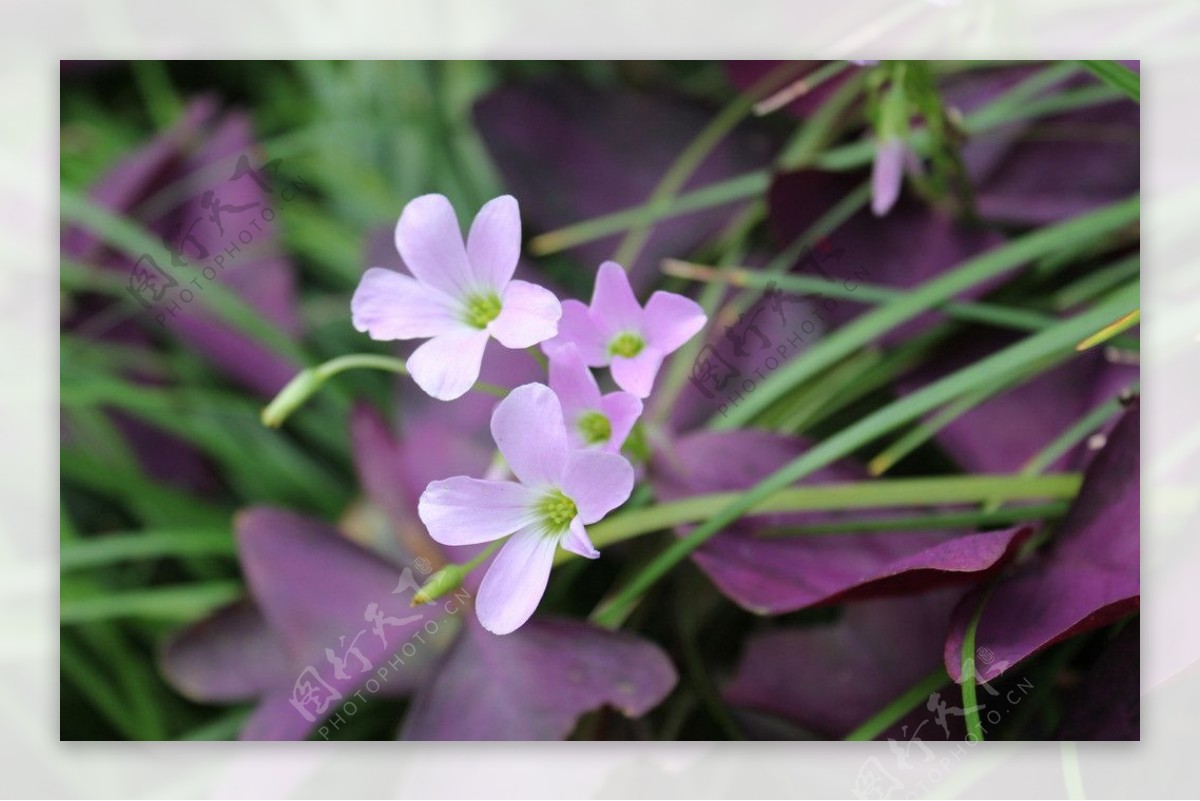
[558, 491]
[592, 419]
[616, 331]
[458, 296]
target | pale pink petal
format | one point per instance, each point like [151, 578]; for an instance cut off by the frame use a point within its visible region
[597, 482]
[614, 307]
[529, 431]
[575, 327]
[466, 511]
[448, 365]
[494, 243]
[388, 305]
[636, 374]
[516, 581]
[573, 382]
[528, 315]
[577, 541]
[672, 320]
[622, 410]
[430, 242]
[887, 175]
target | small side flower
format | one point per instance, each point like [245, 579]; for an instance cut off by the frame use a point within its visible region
[593, 420]
[558, 491]
[616, 331]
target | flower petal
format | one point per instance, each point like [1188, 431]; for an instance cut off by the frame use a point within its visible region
[516, 581]
[466, 511]
[529, 431]
[430, 242]
[573, 382]
[494, 243]
[576, 327]
[622, 410]
[528, 315]
[614, 307]
[388, 305]
[577, 541]
[597, 482]
[887, 175]
[448, 365]
[672, 320]
[636, 375]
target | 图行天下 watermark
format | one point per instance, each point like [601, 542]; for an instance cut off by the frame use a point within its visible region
[195, 258]
[730, 370]
[918, 769]
[314, 697]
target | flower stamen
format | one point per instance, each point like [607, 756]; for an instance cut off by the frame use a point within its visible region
[626, 344]
[594, 428]
[556, 511]
[481, 309]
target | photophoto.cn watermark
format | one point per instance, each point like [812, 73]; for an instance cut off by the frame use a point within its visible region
[194, 259]
[313, 696]
[917, 769]
[730, 371]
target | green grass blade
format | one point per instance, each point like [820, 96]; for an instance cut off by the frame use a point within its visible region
[975, 271]
[1027, 352]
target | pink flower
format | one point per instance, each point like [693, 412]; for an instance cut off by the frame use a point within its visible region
[616, 331]
[458, 297]
[887, 175]
[592, 419]
[558, 491]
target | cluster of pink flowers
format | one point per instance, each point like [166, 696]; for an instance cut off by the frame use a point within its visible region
[560, 442]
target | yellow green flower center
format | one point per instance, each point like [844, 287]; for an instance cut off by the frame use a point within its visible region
[594, 428]
[626, 344]
[481, 309]
[556, 511]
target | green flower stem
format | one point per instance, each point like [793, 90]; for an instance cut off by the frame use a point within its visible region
[693, 155]
[974, 725]
[885, 493]
[978, 270]
[538, 357]
[927, 522]
[450, 577]
[307, 382]
[1025, 353]
[887, 717]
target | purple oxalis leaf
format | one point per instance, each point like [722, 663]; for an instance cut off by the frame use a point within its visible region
[534, 684]
[1087, 577]
[832, 678]
[311, 590]
[772, 575]
[908, 247]
[572, 152]
[1002, 433]
[1106, 705]
[171, 186]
